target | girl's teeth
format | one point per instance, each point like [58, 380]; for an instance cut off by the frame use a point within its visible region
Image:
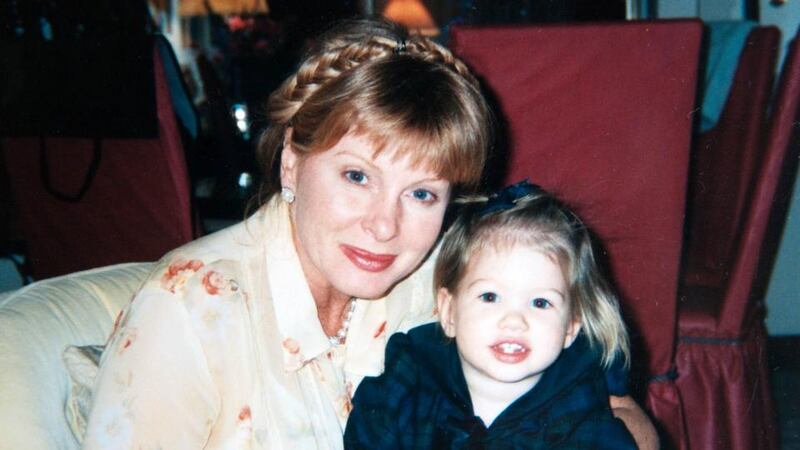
[510, 348]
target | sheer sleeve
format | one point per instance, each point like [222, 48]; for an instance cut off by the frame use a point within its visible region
[154, 389]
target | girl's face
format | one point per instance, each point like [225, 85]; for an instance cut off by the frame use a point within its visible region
[361, 223]
[510, 317]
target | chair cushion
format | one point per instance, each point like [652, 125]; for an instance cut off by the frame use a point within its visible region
[37, 323]
[82, 363]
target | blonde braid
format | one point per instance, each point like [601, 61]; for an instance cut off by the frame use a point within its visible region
[431, 51]
[337, 56]
[340, 55]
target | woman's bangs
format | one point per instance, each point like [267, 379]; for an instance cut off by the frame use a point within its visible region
[434, 149]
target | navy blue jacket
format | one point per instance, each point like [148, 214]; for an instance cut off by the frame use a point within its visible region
[422, 402]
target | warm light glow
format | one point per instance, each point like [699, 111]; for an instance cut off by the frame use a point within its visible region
[223, 7]
[413, 15]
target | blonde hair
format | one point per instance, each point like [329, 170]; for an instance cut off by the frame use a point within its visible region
[541, 221]
[404, 92]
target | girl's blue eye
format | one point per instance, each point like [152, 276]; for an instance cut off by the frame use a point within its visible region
[488, 297]
[423, 195]
[355, 176]
[541, 303]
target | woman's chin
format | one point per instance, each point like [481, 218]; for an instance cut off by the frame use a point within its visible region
[368, 288]
[369, 285]
[369, 294]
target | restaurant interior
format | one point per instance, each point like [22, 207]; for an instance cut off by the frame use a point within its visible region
[128, 128]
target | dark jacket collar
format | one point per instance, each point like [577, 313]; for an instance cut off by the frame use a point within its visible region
[438, 357]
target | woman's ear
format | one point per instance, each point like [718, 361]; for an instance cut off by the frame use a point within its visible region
[573, 329]
[444, 303]
[289, 161]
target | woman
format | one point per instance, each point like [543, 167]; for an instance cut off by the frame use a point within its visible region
[256, 337]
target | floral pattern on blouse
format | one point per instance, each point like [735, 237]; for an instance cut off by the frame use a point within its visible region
[126, 338]
[178, 273]
[221, 349]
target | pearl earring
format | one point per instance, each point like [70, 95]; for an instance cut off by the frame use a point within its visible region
[287, 195]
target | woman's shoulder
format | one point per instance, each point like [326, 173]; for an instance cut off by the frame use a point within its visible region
[180, 275]
[199, 274]
[198, 305]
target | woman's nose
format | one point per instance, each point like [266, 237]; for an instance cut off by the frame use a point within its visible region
[382, 222]
[513, 320]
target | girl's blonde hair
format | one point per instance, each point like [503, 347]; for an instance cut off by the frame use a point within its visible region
[538, 219]
[406, 93]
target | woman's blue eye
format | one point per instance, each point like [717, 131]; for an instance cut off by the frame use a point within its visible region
[488, 297]
[423, 195]
[356, 176]
[541, 303]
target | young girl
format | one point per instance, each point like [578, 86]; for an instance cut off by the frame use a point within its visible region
[527, 326]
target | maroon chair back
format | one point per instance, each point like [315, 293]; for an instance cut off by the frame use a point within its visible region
[721, 355]
[725, 159]
[600, 115]
[776, 171]
[136, 207]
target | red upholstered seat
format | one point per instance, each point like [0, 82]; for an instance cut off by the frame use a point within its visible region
[136, 208]
[721, 354]
[601, 115]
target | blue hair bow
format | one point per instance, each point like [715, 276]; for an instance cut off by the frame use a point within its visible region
[507, 197]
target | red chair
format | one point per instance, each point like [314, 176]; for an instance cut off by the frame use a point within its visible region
[724, 162]
[600, 115]
[135, 206]
[721, 354]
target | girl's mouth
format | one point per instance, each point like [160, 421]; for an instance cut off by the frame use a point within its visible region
[511, 352]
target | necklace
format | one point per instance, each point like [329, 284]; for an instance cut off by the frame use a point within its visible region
[339, 337]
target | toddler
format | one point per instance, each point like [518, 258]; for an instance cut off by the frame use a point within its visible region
[527, 326]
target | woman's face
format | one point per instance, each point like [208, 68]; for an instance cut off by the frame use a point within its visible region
[361, 223]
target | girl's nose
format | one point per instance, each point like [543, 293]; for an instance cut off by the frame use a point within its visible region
[513, 320]
[382, 221]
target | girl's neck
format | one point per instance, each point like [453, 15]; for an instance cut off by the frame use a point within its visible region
[491, 397]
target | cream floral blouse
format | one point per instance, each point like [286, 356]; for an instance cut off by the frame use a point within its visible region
[222, 349]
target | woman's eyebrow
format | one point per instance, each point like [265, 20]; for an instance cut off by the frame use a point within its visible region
[434, 179]
[370, 162]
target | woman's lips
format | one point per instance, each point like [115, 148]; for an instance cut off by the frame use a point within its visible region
[509, 351]
[371, 262]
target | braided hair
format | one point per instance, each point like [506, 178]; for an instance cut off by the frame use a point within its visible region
[406, 93]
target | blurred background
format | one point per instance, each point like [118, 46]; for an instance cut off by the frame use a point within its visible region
[232, 53]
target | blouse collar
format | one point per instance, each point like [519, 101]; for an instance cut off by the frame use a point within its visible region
[302, 336]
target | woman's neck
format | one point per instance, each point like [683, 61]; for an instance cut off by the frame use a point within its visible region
[332, 307]
[331, 304]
